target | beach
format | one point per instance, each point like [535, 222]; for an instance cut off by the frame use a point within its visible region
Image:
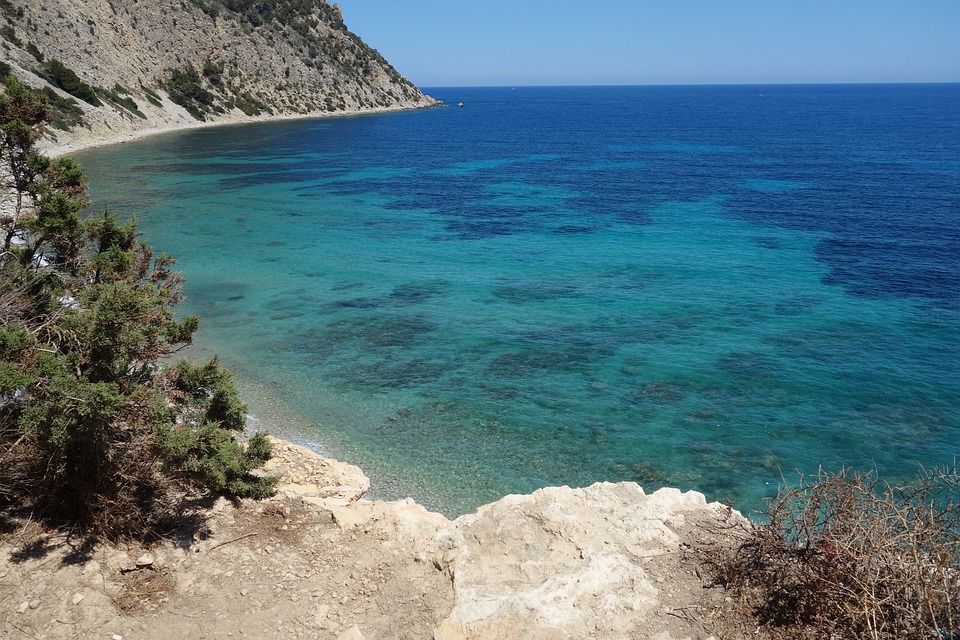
[59, 143]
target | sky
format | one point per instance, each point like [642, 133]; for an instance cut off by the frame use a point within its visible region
[438, 43]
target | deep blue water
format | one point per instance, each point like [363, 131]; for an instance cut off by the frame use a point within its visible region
[703, 287]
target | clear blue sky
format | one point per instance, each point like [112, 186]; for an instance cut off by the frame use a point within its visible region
[561, 42]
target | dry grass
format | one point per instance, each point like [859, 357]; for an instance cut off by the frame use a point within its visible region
[143, 590]
[848, 556]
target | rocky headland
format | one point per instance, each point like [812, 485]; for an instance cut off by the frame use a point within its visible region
[320, 561]
[117, 70]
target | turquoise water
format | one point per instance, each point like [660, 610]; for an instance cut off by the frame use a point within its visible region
[694, 287]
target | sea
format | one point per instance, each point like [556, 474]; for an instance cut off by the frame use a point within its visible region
[705, 287]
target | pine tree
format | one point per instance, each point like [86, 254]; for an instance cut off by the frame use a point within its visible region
[93, 430]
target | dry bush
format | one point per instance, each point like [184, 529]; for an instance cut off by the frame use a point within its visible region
[847, 555]
[116, 488]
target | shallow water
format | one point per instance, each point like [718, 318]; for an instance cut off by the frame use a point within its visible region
[702, 287]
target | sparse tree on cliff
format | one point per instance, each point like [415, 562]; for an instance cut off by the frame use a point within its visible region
[92, 429]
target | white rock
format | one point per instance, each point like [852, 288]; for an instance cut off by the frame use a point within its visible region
[120, 562]
[565, 563]
[320, 614]
[353, 633]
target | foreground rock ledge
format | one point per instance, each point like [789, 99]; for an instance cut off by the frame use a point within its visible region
[319, 561]
[600, 562]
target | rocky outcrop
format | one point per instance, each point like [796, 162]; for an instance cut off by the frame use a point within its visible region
[155, 64]
[605, 561]
[304, 474]
[319, 561]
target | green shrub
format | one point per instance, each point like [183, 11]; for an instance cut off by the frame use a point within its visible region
[115, 98]
[248, 104]
[62, 77]
[213, 72]
[34, 51]
[67, 112]
[93, 430]
[10, 35]
[152, 96]
[185, 87]
[9, 11]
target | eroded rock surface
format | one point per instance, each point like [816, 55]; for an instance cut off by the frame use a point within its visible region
[605, 561]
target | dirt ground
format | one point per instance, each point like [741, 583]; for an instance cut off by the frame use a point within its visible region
[282, 571]
[271, 569]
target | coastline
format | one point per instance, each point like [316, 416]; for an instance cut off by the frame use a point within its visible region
[84, 139]
[605, 562]
[93, 138]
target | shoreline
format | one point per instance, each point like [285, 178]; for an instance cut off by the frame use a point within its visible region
[91, 139]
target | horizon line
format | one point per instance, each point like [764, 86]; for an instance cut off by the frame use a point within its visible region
[688, 84]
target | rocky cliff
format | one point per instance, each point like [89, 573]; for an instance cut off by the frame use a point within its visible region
[113, 67]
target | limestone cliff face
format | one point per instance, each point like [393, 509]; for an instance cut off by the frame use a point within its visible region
[149, 64]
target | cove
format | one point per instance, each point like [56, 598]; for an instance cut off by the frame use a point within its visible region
[699, 287]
